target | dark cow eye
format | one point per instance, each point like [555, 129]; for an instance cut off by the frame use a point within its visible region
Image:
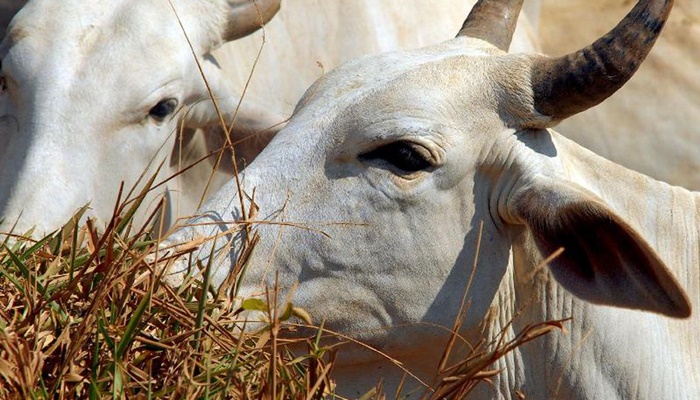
[406, 156]
[163, 109]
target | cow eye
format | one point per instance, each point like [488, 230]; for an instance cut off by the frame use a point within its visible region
[406, 156]
[163, 109]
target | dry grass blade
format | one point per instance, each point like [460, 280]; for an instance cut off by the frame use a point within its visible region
[463, 377]
[100, 324]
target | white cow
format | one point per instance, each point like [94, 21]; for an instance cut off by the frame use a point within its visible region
[371, 200]
[93, 90]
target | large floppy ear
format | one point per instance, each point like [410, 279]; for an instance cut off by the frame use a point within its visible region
[253, 127]
[605, 261]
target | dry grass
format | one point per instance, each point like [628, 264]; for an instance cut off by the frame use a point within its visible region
[84, 315]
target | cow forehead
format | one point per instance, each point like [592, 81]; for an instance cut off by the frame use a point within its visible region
[70, 18]
[403, 92]
[119, 52]
[75, 29]
[352, 81]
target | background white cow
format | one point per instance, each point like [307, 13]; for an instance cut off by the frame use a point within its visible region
[372, 200]
[92, 91]
[310, 37]
[81, 79]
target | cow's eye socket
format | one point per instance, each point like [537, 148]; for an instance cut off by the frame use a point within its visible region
[163, 109]
[406, 156]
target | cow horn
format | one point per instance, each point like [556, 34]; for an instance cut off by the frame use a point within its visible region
[493, 21]
[247, 16]
[573, 83]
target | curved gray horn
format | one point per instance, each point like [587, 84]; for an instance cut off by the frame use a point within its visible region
[573, 83]
[493, 21]
[247, 16]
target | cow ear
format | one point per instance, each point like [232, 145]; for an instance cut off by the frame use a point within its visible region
[605, 261]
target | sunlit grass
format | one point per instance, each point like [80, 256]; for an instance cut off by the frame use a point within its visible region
[83, 314]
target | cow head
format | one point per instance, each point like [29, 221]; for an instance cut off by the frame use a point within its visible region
[92, 91]
[394, 168]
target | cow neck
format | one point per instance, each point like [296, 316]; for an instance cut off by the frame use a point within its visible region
[604, 346]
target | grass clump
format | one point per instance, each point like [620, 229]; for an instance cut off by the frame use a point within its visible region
[84, 315]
